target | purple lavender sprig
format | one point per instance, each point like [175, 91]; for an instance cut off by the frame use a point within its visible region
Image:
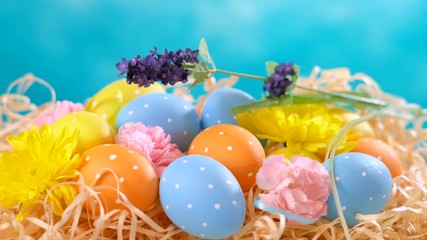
[281, 80]
[166, 67]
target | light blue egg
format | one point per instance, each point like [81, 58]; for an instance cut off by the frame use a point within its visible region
[176, 116]
[202, 197]
[364, 185]
[218, 106]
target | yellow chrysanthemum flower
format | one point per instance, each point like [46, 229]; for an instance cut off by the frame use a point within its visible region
[303, 129]
[40, 159]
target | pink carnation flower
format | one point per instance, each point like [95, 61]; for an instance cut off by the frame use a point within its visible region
[61, 108]
[300, 187]
[151, 142]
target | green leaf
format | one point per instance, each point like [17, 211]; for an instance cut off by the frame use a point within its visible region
[270, 66]
[332, 99]
[204, 51]
[263, 104]
[319, 98]
[200, 73]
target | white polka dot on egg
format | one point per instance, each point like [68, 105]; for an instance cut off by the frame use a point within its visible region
[74, 120]
[210, 186]
[113, 157]
[250, 174]
[146, 105]
[98, 175]
[217, 206]
[204, 224]
[229, 148]
[219, 121]
[118, 201]
[137, 92]
[190, 206]
[206, 150]
[169, 120]
[130, 112]
[364, 174]
[87, 158]
[177, 186]
[202, 169]
[122, 179]
[135, 167]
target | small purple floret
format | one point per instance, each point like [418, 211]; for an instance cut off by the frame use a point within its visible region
[278, 82]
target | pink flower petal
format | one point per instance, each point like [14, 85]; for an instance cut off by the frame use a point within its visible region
[271, 173]
[151, 142]
[300, 187]
[61, 108]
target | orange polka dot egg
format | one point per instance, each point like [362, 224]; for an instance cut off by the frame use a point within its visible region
[234, 147]
[382, 151]
[109, 167]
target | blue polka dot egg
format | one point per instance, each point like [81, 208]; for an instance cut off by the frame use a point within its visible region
[363, 183]
[218, 106]
[202, 197]
[177, 117]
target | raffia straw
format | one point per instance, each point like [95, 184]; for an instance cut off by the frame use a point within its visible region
[404, 217]
[16, 109]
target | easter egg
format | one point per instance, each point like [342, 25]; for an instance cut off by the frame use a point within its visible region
[170, 112]
[382, 151]
[218, 106]
[234, 147]
[109, 100]
[202, 197]
[110, 166]
[362, 129]
[93, 129]
[363, 183]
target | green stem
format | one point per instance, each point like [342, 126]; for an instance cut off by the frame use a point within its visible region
[371, 101]
[240, 74]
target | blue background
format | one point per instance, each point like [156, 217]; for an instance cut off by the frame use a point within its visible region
[74, 44]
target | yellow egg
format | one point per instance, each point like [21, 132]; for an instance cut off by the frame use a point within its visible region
[109, 100]
[361, 130]
[93, 129]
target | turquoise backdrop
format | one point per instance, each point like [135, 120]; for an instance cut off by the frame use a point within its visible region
[74, 44]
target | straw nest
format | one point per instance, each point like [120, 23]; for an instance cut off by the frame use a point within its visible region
[404, 217]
